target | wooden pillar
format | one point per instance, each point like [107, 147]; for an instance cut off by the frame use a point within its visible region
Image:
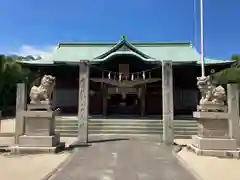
[105, 99]
[83, 102]
[143, 99]
[167, 97]
[21, 104]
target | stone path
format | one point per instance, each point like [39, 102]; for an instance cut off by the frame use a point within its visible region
[135, 159]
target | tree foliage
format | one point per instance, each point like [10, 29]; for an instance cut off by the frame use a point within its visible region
[230, 75]
[11, 73]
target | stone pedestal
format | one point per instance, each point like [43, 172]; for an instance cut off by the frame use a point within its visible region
[212, 124]
[39, 130]
[213, 138]
[39, 141]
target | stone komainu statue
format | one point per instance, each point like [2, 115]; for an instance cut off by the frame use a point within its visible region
[42, 94]
[210, 94]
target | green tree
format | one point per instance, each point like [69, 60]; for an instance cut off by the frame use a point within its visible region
[11, 73]
[229, 75]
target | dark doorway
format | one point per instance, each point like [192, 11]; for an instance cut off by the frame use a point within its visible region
[119, 104]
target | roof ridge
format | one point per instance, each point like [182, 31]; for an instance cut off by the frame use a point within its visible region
[114, 43]
[119, 45]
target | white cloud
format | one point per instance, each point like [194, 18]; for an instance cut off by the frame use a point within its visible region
[44, 52]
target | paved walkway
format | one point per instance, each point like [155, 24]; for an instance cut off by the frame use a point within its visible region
[124, 160]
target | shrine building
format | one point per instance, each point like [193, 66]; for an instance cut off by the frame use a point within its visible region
[125, 78]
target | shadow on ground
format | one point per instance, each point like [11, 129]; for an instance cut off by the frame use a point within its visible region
[176, 147]
[76, 144]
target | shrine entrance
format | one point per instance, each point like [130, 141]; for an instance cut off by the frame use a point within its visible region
[124, 81]
[123, 101]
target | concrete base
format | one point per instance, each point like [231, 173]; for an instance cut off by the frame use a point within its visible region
[39, 141]
[210, 115]
[31, 107]
[214, 143]
[212, 107]
[213, 136]
[217, 153]
[36, 150]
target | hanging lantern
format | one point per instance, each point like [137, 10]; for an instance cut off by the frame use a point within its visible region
[132, 77]
[143, 75]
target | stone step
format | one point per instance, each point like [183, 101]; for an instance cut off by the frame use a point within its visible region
[126, 127]
[68, 134]
[175, 136]
[125, 122]
[139, 121]
[140, 125]
[134, 135]
[135, 122]
[182, 128]
[127, 131]
[136, 131]
[128, 124]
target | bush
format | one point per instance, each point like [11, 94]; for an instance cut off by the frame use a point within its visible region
[229, 75]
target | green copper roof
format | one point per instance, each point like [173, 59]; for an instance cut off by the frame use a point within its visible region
[98, 52]
[177, 52]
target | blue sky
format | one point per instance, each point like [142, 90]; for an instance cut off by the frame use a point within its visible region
[30, 26]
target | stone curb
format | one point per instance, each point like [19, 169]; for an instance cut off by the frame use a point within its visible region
[7, 134]
[186, 166]
[63, 164]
